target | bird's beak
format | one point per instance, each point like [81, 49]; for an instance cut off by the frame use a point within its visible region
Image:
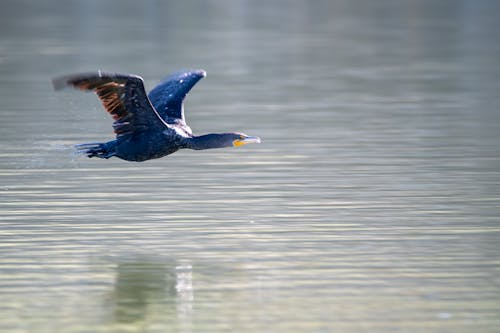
[246, 140]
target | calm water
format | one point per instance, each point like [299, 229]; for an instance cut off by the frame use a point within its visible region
[372, 205]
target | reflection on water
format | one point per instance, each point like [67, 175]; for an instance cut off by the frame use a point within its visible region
[372, 204]
[147, 290]
[137, 285]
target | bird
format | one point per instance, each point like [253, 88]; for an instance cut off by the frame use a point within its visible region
[146, 126]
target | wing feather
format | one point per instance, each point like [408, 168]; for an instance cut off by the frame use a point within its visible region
[168, 96]
[123, 97]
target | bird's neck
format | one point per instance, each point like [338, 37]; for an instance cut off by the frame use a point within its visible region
[208, 141]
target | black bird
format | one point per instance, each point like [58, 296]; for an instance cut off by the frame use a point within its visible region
[147, 127]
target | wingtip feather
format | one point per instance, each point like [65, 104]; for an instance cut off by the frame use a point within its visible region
[60, 82]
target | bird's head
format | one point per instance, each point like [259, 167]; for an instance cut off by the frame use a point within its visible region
[240, 139]
[221, 140]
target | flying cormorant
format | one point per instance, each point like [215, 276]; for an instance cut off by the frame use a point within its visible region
[147, 126]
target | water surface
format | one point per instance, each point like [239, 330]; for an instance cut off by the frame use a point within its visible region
[372, 204]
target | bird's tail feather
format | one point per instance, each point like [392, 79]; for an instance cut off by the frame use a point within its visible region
[95, 149]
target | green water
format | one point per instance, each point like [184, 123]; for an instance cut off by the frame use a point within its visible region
[372, 204]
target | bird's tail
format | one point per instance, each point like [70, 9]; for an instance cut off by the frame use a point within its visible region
[96, 149]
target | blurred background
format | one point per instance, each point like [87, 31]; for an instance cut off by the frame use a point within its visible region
[372, 204]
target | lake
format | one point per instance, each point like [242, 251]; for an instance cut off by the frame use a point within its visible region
[371, 205]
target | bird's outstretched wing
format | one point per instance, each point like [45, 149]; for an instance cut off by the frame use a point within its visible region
[168, 96]
[122, 95]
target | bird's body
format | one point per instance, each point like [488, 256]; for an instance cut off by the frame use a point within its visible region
[147, 127]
